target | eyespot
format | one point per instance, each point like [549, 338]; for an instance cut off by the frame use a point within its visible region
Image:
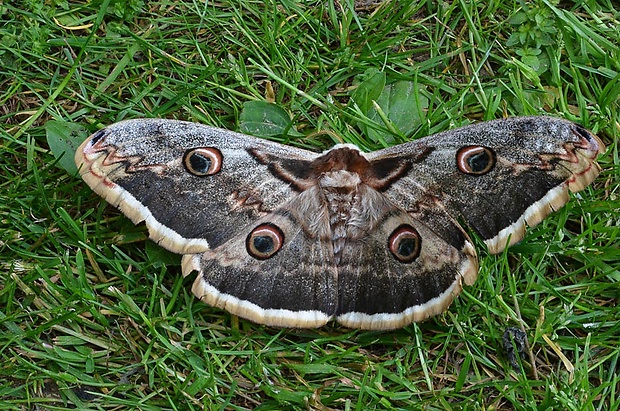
[405, 244]
[475, 160]
[203, 161]
[264, 241]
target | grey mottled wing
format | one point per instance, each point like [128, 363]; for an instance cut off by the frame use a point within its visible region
[294, 287]
[140, 166]
[377, 290]
[523, 170]
[310, 281]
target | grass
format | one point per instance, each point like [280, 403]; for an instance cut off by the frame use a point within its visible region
[92, 316]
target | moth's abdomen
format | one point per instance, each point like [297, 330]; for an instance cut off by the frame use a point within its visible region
[340, 192]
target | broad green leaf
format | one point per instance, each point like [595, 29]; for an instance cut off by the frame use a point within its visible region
[403, 105]
[531, 61]
[369, 89]
[263, 119]
[518, 18]
[64, 138]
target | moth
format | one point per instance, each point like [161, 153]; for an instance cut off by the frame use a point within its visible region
[291, 238]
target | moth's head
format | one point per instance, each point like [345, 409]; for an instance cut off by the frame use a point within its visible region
[345, 146]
